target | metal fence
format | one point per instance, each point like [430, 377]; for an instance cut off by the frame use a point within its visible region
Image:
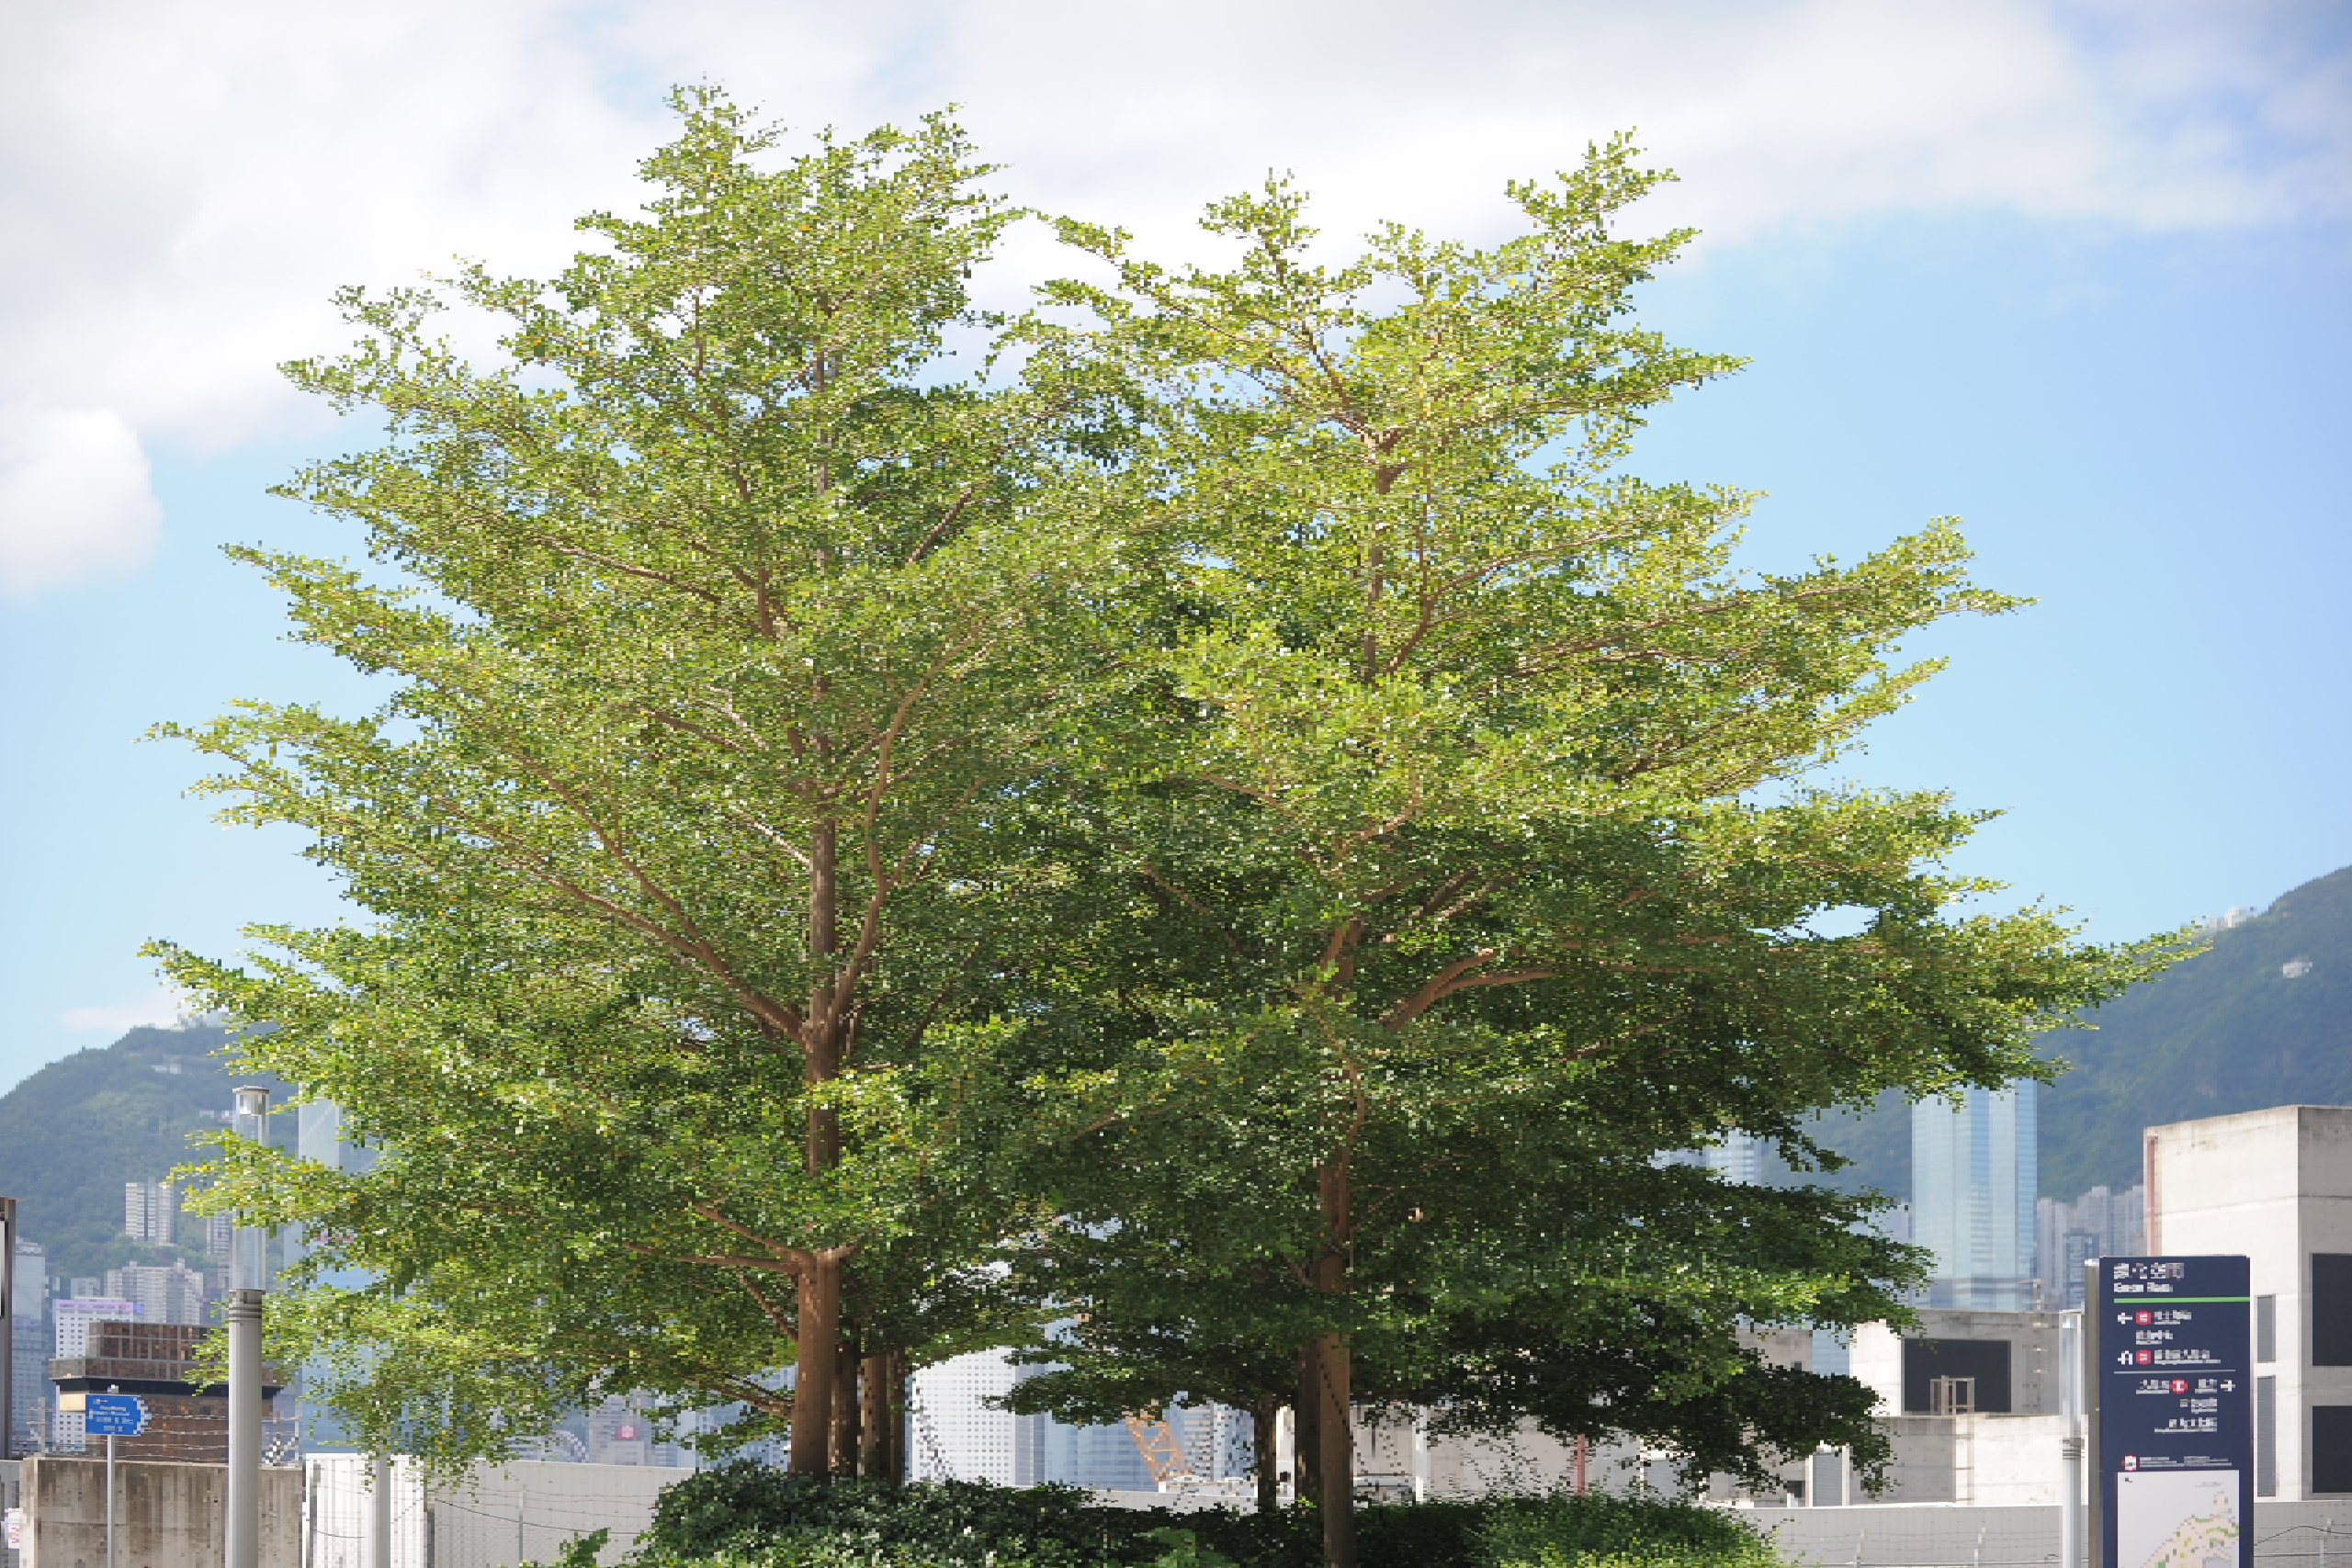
[497, 1517]
[1944, 1535]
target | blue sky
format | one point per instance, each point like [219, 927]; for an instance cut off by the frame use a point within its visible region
[2079, 274]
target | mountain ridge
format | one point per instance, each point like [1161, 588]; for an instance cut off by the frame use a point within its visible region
[74, 1131]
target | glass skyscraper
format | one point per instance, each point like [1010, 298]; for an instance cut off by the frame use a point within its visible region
[1974, 1176]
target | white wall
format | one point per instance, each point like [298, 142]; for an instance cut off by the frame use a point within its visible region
[2275, 1185]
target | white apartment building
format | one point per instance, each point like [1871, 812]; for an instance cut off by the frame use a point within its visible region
[150, 1210]
[2276, 1186]
[957, 1435]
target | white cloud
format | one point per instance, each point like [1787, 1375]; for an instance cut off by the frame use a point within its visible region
[158, 1009]
[74, 496]
[181, 186]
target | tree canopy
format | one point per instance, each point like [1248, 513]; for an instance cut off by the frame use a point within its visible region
[1470, 855]
[722, 609]
[1237, 828]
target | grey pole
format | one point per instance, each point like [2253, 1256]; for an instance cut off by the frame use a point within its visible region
[2070, 1441]
[111, 1388]
[2087, 1367]
[8, 1329]
[380, 1531]
[242, 1549]
[241, 1529]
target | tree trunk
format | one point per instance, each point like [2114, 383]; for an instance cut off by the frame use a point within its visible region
[1336, 1451]
[843, 1455]
[902, 1402]
[1265, 1414]
[1305, 1442]
[875, 1409]
[812, 1386]
[1335, 1445]
[817, 1354]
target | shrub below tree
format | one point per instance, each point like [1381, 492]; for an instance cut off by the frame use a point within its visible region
[751, 1515]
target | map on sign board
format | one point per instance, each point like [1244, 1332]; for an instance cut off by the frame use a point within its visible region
[2175, 1519]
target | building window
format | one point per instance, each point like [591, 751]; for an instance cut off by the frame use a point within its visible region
[1985, 1361]
[2331, 1447]
[2332, 1309]
[2266, 1328]
[2266, 1435]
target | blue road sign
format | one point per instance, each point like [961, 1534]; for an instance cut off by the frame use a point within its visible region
[2174, 1417]
[114, 1415]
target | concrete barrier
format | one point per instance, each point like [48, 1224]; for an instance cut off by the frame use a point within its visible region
[166, 1514]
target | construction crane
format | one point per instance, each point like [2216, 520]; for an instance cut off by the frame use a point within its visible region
[1162, 1454]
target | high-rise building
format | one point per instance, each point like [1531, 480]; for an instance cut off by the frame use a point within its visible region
[148, 1210]
[28, 1344]
[958, 1435]
[1098, 1457]
[1974, 1170]
[1734, 1156]
[2099, 1224]
[171, 1293]
[319, 1137]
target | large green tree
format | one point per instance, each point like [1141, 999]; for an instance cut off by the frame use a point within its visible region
[722, 606]
[1468, 847]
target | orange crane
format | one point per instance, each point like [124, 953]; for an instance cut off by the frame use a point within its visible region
[1162, 1454]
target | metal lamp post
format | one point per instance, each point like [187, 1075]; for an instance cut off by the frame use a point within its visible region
[241, 1547]
[2070, 1442]
[7, 1328]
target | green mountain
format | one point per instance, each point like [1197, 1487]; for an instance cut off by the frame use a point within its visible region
[2263, 1019]
[74, 1132]
[2229, 1030]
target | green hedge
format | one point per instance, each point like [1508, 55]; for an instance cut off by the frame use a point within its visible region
[748, 1516]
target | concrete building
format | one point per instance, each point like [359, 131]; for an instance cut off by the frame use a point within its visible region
[1974, 1174]
[2276, 1186]
[188, 1422]
[150, 1212]
[1971, 1400]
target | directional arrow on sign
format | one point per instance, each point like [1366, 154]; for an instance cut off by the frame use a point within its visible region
[114, 1416]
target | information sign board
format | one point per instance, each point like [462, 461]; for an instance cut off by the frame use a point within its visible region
[2172, 1416]
[114, 1416]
